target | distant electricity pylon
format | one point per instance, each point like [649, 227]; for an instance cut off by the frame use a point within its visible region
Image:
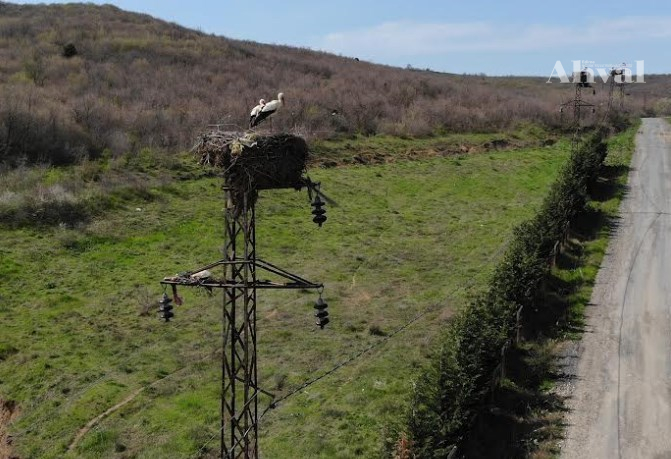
[581, 80]
[616, 73]
[249, 166]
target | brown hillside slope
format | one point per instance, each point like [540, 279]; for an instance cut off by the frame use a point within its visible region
[77, 79]
[137, 81]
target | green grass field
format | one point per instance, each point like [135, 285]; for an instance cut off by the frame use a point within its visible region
[406, 237]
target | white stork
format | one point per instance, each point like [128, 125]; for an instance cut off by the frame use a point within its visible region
[268, 109]
[255, 112]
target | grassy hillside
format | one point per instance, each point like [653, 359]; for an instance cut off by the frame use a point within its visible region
[408, 236]
[72, 196]
[78, 79]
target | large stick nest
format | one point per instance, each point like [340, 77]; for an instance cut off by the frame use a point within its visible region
[253, 163]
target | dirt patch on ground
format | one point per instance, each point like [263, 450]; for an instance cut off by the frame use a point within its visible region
[92, 423]
[8, 412]
[364, 157]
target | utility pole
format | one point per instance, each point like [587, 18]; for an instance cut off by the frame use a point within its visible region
[239, 363]
[580, 81]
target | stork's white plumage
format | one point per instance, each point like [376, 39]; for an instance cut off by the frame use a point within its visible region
[255, 112]
[268, 109]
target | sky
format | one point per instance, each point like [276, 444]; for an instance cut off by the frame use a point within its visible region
[494, 37]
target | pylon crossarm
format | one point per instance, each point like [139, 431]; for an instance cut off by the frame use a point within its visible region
[189, 278]
[266, 284]
[284, 273]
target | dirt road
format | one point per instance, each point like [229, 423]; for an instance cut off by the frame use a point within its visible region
[621, 403]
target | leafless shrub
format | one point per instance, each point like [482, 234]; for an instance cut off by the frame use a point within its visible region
[138, 82]
[145, 299]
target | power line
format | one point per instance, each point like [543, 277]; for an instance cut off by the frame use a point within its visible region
[363, 351]
[372, 346]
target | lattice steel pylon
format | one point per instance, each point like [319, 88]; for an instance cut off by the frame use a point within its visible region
[616, 73]
[611, 90]
[239, 389]
[621, 95]
[239, 427]
[578, 103]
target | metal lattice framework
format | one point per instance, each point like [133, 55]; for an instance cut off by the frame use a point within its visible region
[240, 391]
[576, 104]
[611, 90]
[239, 427]
[621, 94]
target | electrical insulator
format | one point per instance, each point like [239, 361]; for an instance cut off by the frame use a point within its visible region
[165, 308]
[318, 212]
[321, 313]
[583, 77]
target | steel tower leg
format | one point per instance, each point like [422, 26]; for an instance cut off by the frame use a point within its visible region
[239, 397]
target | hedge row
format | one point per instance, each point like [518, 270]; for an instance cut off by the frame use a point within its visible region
[450, 392]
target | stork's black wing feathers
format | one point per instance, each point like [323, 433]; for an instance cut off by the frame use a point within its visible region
[261, 116]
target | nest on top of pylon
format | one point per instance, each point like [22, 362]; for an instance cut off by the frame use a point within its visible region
[251, 162]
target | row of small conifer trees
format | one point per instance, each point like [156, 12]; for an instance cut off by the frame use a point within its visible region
[455, 386]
